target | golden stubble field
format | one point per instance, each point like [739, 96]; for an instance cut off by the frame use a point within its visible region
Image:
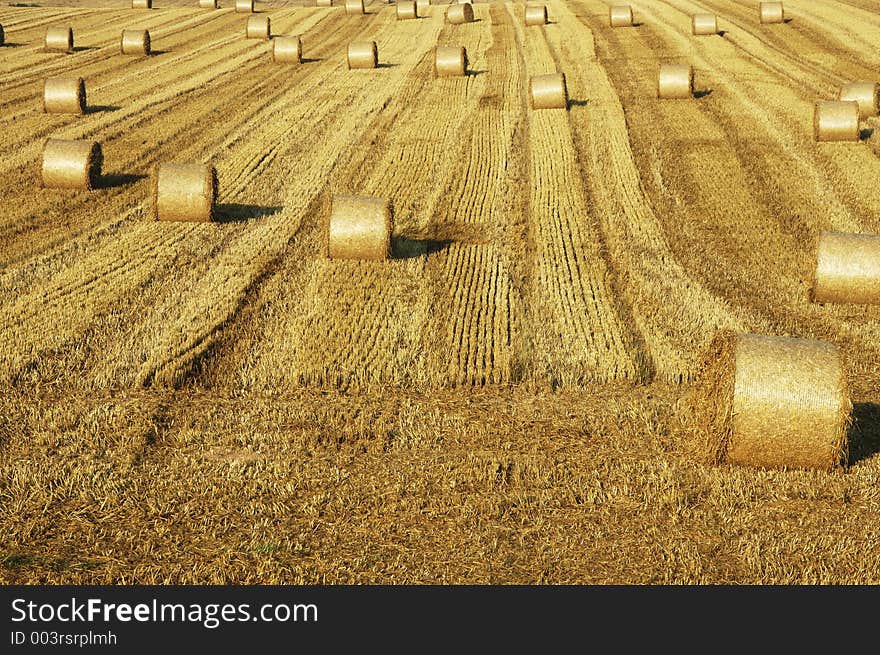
[502, 400]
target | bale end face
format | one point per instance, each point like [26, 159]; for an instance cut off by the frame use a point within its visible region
[406, 10]
[359, 227]
[620, 16]
[363, 54]
[258, 27]
[836, 120]
[847, 269]
[460, 13]
[71, 164]
[184, 192]
[704, 24]
[287, 49]
[135, 42]
[675, 81]
[64, 95]
[450, 61]
[354, 7]
[864, 93]
[548, 91]
[771, 12]
[59, 39]
[535, 15]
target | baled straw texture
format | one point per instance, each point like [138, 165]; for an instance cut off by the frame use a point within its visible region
[704, 24]
[864, 93]
[141, 4]
[423, 8]
[461, 13]
[450, 61]
[258, 27]
[620, 16]
[59, 39]
[208, 4]
[773, 402]
[406, 10]
[535, 15]
[836, 120]
[135, 42]
[354, 7]
[772, 12]
[675, 81]
[64, 95]
[287, 49]
[324, 3]
[362, 54]
[184, 192]
[71, 164]
[244, 6]
[548, 91]
[847, 269]
[359, 227]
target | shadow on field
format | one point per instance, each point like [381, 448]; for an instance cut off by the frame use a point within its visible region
[310, 60]
[97, 109]
[721, 33]
[637, 23]
[235, 213]
[864, 433]
[114, 180]
[386, 64]
[702, 93]
[404, 248]
[578, 103]
[787, 20]
[154, 53]
[12, 45]
[477, 72]
[84, 48]
[866, 133]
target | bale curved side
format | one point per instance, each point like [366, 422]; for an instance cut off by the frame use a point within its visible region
[244, 6]
[772, 12]
[287, 49]
[864, 93]
[704, 24]
[135, 42]
[359, 227]
[406, 10]
[847, 269]
[836, 120]
[2, 36]
[548, 91]
[620, 16]
[59, 39]
[535, 15]
[675, 81]
[184, 192]
[362, 54]
[354, 7]
[71, 164]
[423, 8]
[258, 27]
[64, 95]
[460, 13]
[141, 4]
[450, 61]
[208, 4]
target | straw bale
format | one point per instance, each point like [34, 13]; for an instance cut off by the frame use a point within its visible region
[620, 16]
[71, 164]
[864, 93]
[258, 27]
[59, 39]
[287, 49]
[548, 91]
[64, 95]
[184, 192]
[675, 81]
[704, 24]
[450, 61]
[536, 15]
[847, 269]
[836, 120]
[135, 42]
[359, 227]
[362, 54]
[460, 13]
[772, 12]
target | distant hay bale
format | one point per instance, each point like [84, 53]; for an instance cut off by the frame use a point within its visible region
[287, 49]
[141, 4]
[354, 7]
[460, 13]
[71, 164]
[359, 227]
[324, 3]
[772, 12]
[675, 81]
[59, 39]
[135, 42]
[244, 6]
[548, 91]
[208, 4]
[450, 61]
[184, 192]
[620, 16]
[535, 15]
[773, 402]
[258, 27]
[423, 8]
[64, 95]
[363, 54]
[836, 120]
[704, 24]
[406, 10]
[864, 93]
[847, 269]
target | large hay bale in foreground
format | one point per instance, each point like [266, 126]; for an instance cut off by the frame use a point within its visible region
[208, 4]
[184, 192]
[406, 10]
[287, 50]
[847, 269]
[704, 24]
[836, 120]
[450, 61]
[675, 81]
[535, 15]
[354, 7]
[244, 6]
[64, 95]
[548, 91]
[141, 4]
[363, 54]
[864, 93]
[620, 16]
[773, 402]
[460, 13]
[71, 164]
[135, 42]
[258, 27]
[772, 12]
[359, 227]
[59, 39]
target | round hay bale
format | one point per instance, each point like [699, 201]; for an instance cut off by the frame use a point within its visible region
[208, 4]
[359, 227]
[847, 269]
[460, 13]
[535, 15]
[324, 3]
[287, 50]
[184, 192]
[406, 10]
[450, 61]
[362, 54]
[773, 402]
[704, 24]
[59, 39]
[354, 7]
[620, 16]
[71, 164]
[836, 120]
[258, 27]
[135, 42]
[548, 91]
[141, 4]
[675, 81]
[423, 8]
[64, 95]
[244, 6]
[864, 93]
[772, 12]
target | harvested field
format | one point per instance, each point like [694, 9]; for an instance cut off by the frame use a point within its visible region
[501, 399]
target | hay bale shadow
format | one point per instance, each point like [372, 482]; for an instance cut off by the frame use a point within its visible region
[406, 248]
[702, 93]
[154, 53]
[12, 45]
[386, 65]
[787, 20]
[864, 433]
[84, 48]
[310, 60]
[721, 33]
[237, 213]
[97, 109]
[866, 133]
[577, 103]
[114, 180]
